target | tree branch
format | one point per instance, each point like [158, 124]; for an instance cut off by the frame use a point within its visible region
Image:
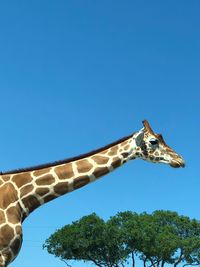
[95, 262]
[66, 263]
[153, 263]
[179, 259]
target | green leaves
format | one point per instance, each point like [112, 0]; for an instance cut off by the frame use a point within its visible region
[89, 239]
[160, 238]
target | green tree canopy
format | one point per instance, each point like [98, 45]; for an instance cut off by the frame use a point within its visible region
[89, 239]
[160, 238]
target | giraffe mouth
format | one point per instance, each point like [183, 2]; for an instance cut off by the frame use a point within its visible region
[177, 163]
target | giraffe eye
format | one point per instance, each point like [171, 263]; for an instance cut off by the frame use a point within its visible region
[153, 142]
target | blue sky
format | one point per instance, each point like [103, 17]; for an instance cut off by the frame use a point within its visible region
[76, 75]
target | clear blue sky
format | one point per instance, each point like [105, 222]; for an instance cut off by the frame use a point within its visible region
[76, 75]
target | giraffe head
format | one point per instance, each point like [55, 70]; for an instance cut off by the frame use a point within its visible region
[152, 147]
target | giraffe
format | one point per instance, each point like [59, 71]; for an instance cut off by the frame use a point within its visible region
[24, 190]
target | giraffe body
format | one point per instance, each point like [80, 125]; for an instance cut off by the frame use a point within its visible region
[23, 191]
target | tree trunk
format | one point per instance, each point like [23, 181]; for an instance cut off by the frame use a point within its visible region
[145, 261]
[133, 259]
[162, 263]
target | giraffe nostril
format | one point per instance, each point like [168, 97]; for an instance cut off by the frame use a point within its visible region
[183, 164]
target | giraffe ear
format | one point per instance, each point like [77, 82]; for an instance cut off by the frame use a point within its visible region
[139, 139]
[147, 127]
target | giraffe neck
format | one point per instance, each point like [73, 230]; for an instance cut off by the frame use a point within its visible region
[36, 187]
[23, 192]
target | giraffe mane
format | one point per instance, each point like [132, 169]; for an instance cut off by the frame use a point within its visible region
[67, 160]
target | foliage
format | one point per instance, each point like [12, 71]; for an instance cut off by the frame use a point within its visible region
[89, 239]
[160, 238]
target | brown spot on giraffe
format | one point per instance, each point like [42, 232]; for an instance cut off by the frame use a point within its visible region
[6, 235]
[125, 143]
[26, 189]
[99, 171]
[127, 147]
[113, 151]
[101, 160]
[125, 155]
[13, 215]
[2, 217]
[8, 195]
[116, 162]
[83, 166]
[104, 152]
[41, 191]
[61, 188]
[45, 180]
[41, 172]
[49, 198]
[64, 171]
[31, 202]
[22, 179]
[16, 245]
[81, 181]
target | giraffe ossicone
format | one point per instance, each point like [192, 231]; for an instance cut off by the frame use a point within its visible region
[24, 190]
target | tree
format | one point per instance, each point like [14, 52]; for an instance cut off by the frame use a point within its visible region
[160, 238]
[158, 242]
[89, 239]
[128, 224]
[165, 237]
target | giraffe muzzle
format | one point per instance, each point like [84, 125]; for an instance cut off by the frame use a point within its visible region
[178, 163]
